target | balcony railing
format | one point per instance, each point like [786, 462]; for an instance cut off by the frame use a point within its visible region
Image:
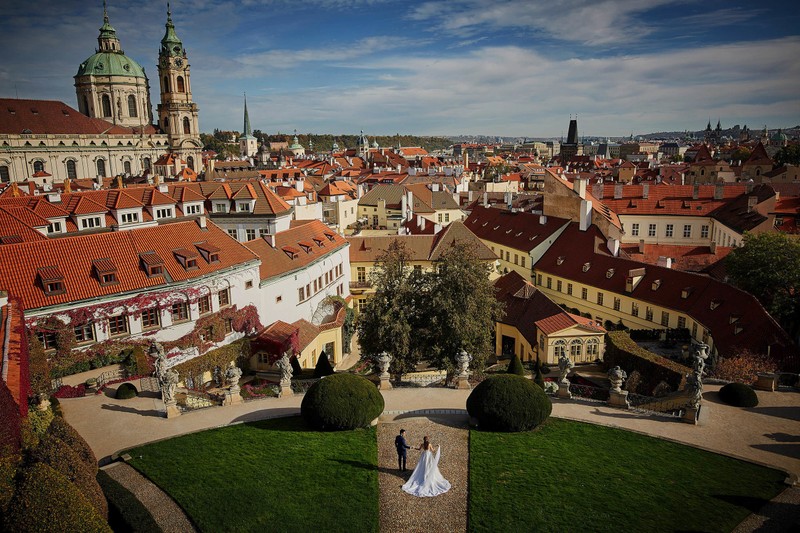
[360, 285]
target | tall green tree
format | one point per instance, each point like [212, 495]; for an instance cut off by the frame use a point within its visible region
[391, 321]
[788, 155]
[768, 267]
[462, 309]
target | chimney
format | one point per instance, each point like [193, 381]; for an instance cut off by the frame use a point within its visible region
[485, 199]
[665, 262]
[298, 184]
[683, 178]
[641, 246]
[752, 202]
[437, 228]
[748, 186]
[420, 221]
[580, 187]
[469, 196]
[508, 199]
[403, 206]
[409, 203]
[719, 191]
[597, 190]
[201, 221]
[434, 187]
[542, 219]
[713, 247]
[617, 191]
[163, 188]
[270, 239]
[54, 198]
[585, 215]
[696, 191]
[613, 246]
[645, 191]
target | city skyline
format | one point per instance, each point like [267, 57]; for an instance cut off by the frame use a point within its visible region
[446, 68]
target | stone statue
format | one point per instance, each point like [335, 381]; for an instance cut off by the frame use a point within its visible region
[694, 388]
[463, 359]
[565, 364]
[616, 375]
[285, 366]
[156, 351]
[383, 360]
[700, 356]
[168, 382]
[232, 375]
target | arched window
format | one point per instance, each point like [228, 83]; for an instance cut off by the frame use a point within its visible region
[5, 175]
[101, 168]
[132, 106]
[85, 105]
[181, 85]
[560, 348]
[166, 84]
[190, 162]
[38, 166]
[166, 123]
[576, 348]
[127, 166]
[593, 348]
[106, 105]
[186, 128]
[146, 163]
[72, 173]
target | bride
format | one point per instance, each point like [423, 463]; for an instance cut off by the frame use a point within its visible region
[426, 480]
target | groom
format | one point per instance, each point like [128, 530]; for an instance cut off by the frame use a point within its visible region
[400, 444]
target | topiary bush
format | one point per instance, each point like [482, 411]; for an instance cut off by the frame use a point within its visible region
[323, 367]
[507, 402]
[515, 366]
[45, 501]
[126, 391]
[738, 395]
[296, 368]
[341, 401]
[60, 429]
[55, 453]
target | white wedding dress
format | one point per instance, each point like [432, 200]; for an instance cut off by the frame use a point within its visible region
[426, 480]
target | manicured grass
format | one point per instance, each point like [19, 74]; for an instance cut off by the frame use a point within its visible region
[570, 476]
[274, 475]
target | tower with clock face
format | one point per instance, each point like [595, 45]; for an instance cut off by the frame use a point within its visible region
[177, 113]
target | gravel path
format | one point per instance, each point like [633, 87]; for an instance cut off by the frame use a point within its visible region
[781, 514]
[402, 512]
[164, 510]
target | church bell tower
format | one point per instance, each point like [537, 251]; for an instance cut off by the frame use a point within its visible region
[177, 114]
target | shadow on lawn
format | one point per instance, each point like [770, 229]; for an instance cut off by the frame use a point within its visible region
[746, 502]
[381, 469]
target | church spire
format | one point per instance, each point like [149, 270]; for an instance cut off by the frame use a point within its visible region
[107, 40]
[171, 45]
[247, 130]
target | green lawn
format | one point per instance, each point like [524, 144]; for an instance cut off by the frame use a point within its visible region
[274, 475]
[570, 476]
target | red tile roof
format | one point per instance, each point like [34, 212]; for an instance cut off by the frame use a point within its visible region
[686, 258]
[52, 117]
[73, 257]
[520, 231]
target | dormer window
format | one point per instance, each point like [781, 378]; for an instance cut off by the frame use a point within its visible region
[733, 318]
[686, 292]
[243, 206]
[291, 251]
[163, 212]
[52, 280]
[586, 267]
[560, 260]
[331, 237]
[610, 273]
[152, 264]
[187, 258]
[318, 241]
[129, 218]
[714, 304]
[656, 284]
[105, 271]
[209, 252]
[306, 246]
[738, 329]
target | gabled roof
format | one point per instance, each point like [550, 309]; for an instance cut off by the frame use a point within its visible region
[758, 156]
[517, 230]
[41, 117]
[736, 213]
[392, 194]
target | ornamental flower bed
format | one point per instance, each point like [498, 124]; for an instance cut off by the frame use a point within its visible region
[260, 389]
[68, 391]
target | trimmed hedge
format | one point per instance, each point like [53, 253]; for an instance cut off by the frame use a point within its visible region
[515, 366]
[126, 391]
[125, 512]
[60, 429]
[60, 457]
[507, 402]
[46, 502]
[341, 402]
[323, 367]
[8, 470]
[653, 369]
[738, 395]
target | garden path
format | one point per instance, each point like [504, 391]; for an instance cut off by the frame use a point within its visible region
[401, 512]
[163, 509]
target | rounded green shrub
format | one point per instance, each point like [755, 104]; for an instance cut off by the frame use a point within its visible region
[341, 401]
[45, 501]
[56, 454]
[738, 395]
[60, 429]
[515, 366]
[126, 391]
[507, 402]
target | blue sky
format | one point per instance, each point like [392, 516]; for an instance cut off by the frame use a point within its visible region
[507, 67]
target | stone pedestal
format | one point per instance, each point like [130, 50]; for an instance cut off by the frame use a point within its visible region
[172, 410]
[618, 399]
[286, 390]
[385, 384]
[462, 382]
[764, 381]
[563, 391]
[691, 415]
[232, 396]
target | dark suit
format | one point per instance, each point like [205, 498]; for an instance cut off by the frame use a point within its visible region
[400, 444]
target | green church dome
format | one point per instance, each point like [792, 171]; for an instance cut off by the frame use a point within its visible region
[110, 64]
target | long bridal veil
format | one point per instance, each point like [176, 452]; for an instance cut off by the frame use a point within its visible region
[426, 480]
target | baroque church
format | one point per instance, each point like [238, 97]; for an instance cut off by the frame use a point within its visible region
[111, 133]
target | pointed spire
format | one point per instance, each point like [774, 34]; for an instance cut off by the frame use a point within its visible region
[171, 45]
[105, 13]
[107, 40]
[247, 130]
